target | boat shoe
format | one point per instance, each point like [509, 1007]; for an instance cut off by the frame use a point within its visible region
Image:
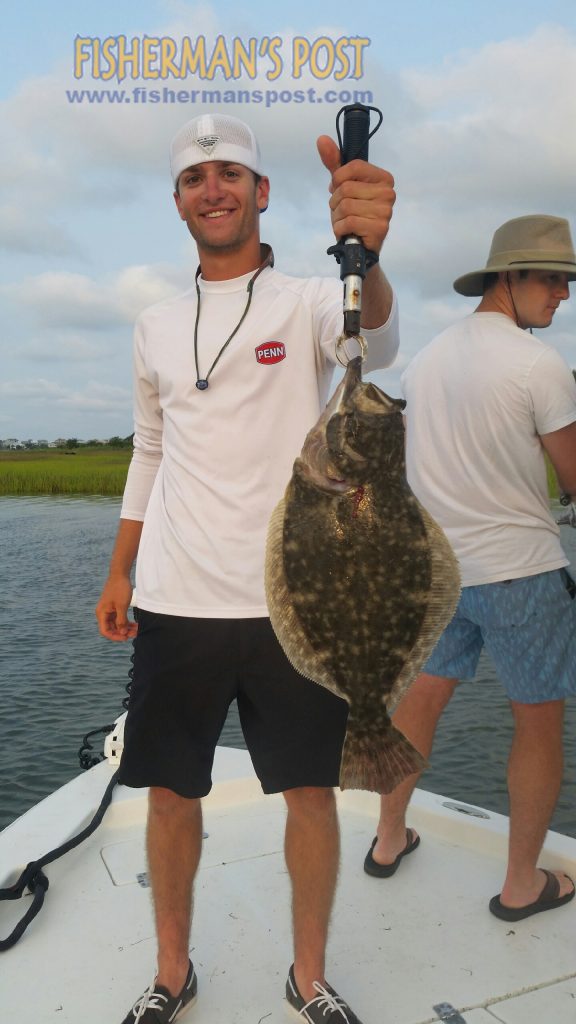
[159, 1006]
[325, 1008]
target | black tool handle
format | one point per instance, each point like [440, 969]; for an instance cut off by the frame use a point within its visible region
[356, 133]
[349, 252]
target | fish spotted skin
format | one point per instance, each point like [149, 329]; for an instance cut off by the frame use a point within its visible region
[360, 580]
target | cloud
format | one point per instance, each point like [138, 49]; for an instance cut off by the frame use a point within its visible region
[563, 341]
[36, 388]
[69, 300]
[141, 286]
[440, 313]
[95, 396]
[70, 144]
[98, 397]
[481, 122]
[488, 140]
[22, 232]
[62, 348]
[496, 120]
[472, 142]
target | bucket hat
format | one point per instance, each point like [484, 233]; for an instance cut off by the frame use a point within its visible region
[536, 242]
[214, 137]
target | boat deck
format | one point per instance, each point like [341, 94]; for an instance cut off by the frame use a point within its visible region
[399, 947]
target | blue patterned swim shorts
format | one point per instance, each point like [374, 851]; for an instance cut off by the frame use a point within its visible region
[528, 627]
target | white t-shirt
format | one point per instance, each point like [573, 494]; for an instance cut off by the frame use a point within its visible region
[478, 398]
[210, 466]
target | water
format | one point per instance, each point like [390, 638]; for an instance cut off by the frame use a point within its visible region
[59, 678]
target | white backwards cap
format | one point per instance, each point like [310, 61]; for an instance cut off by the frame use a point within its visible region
[214, 137]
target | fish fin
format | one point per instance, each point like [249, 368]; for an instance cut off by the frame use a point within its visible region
[283, 615]
[444, 597]
[379, 762]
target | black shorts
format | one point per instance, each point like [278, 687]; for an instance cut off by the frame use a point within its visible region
[188, 671]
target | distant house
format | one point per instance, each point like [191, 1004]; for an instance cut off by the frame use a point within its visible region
[12, 443]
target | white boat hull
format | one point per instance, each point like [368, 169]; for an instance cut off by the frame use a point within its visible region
[399, 947]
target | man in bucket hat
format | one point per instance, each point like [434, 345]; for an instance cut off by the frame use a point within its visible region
[485, 401]
[229, 377]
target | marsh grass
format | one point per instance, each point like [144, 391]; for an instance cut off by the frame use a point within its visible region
[553, 488]
[90, 471]
[54, 471]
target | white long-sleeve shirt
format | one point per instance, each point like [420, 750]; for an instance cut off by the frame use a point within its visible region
[210, 466]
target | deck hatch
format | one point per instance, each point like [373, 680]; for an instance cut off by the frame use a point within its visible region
[446, 1012]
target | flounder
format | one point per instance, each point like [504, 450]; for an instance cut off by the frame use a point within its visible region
[360, 580]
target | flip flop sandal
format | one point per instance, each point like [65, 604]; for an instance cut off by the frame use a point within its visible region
[372, 867]
[547, 900]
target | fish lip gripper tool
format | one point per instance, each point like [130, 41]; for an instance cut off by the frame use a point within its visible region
[354, 259]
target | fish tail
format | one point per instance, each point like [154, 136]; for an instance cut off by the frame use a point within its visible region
[378, 762]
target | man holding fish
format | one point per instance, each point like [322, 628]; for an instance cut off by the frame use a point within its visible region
[485, 401]
[229, 378]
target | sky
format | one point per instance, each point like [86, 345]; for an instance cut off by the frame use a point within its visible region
[479, 104]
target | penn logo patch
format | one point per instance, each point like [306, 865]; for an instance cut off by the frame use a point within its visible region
[270, 352]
